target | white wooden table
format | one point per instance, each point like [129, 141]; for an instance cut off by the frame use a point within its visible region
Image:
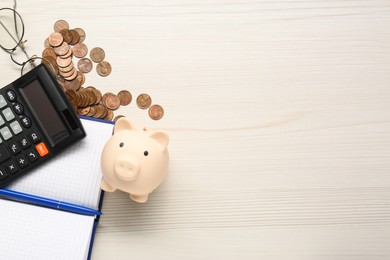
[279, 121]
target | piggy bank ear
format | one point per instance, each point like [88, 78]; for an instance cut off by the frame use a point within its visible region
[123, 124]
[161, 137]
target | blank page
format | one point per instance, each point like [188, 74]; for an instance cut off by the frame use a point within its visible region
[73, 176]
[32, 232]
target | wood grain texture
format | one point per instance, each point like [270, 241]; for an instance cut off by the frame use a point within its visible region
[279, 120]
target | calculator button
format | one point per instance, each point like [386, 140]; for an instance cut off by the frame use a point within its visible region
[5, 133]
[24, 142]
[26, 121]
[3, 102]
[11, 95]
[32, 155]
[14, 148]
[22, 161]
[8, 114]
[3, 174]
[4, 154]
[11, 167]
[42, 149]
[16, 128]
[34, 137]
[18, 108]
[2, 122]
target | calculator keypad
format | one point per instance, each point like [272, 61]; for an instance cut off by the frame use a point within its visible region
[17, 137]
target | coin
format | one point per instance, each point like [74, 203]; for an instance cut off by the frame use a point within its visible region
[75, 37]
[97, 54]
[92, 111]
[117, 117]
[73, 76]
[80, 50]
[144, 101]
[63, 62]
[49, 52]
[84, 111]
[100, 110]
[85, 65]
[124, 97]
[55, 39]
[67, 74]
[51, 64]
[81, 77]
[46, 44]
[103, 68]
[67, 35]
[72, 85]
[67, 68]
[156, 112]
[112, 102]
[81, 34]
[68, 54]
[110, 115]
[62, 49]
[60, 24]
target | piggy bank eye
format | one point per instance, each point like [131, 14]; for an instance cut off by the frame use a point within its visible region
[146, 153]
[121, 144]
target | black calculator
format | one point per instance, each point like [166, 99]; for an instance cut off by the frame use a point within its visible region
[37, 122]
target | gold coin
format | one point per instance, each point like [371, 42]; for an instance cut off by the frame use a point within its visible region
[124, 97]
[80, 50]
[85, 65]
[156, 112]
[62, 49]
[112, 102]
[103, 68]
[55, 39]
[75, 37]
[60, 24]
[81, 34]
[97, 54]
[67, 35]
[144, 101]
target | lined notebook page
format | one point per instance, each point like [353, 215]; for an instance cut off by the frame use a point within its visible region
[31, 232]
[73, 176]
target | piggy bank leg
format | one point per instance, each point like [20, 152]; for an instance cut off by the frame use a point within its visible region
[106, 187]
[139, 198]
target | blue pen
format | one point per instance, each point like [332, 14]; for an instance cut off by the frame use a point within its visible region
[49, 203]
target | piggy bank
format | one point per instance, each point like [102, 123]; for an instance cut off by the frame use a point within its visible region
[134, 161]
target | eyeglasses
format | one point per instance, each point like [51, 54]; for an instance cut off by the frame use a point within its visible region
[11, 35]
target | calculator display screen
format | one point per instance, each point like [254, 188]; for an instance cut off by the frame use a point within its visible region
[44, 112]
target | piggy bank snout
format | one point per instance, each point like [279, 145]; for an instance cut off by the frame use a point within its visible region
[126, 168]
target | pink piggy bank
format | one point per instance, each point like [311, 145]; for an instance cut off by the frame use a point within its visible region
[134, 161]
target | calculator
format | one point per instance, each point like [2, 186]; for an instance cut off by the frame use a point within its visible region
[37, 122]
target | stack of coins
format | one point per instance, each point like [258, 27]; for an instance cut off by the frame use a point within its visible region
[61, 48]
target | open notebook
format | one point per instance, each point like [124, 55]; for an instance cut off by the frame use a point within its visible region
[33, 232]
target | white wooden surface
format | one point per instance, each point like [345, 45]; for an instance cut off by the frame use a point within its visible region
[278, 114]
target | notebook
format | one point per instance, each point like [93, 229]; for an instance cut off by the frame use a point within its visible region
[74, 176]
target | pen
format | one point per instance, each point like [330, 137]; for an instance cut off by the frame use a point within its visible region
[49, 203]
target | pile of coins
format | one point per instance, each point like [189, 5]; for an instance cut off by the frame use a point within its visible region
[61, 47]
